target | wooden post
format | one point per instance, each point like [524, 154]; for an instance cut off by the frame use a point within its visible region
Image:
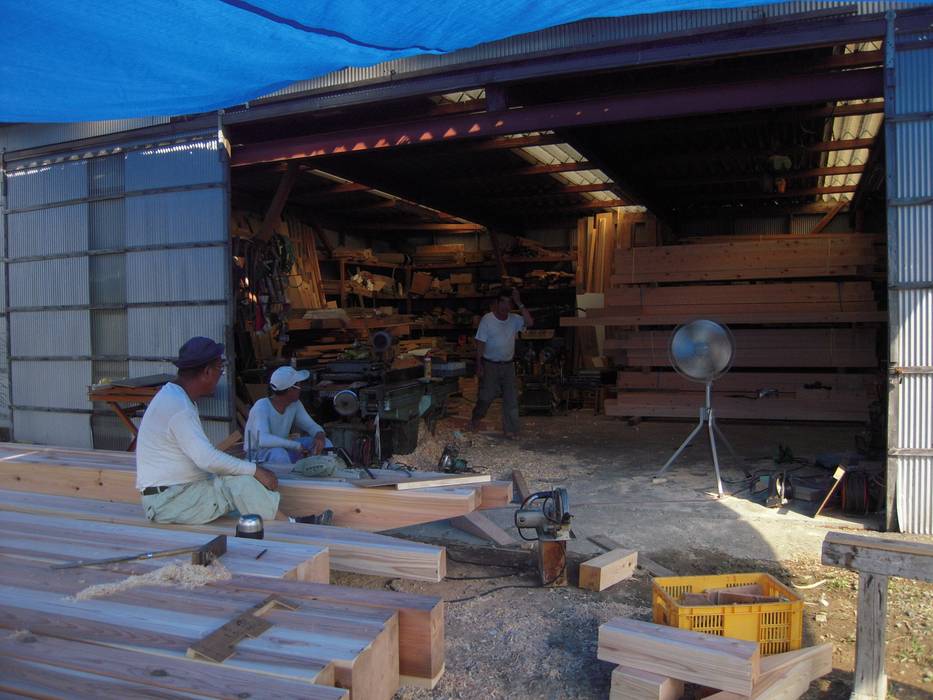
[497, 251]
[552, 563]
[871, 682]
[274, 212]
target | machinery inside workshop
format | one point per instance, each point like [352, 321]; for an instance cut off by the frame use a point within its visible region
[373, 411]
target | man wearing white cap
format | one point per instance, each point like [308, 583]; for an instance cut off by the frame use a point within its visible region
[273, 419]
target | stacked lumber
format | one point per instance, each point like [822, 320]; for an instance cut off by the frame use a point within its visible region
[654, 661]
[791, 302]
[597, 238]
[778, 257]
[446, 254]
[348, 550]
[138, 636]
[111, 476]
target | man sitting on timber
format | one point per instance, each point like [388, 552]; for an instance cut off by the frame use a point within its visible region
[273, 419]
[495, 348]
[182, 477]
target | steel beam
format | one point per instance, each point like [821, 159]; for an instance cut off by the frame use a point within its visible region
[692, 182]
[704, 99]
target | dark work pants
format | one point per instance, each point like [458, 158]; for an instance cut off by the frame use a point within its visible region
[498, 380]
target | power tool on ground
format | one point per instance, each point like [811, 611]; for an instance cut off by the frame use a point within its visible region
[548, 514]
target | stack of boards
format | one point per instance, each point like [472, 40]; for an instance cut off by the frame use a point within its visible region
[654, 661]
[802, 309]
[325, 641]
[138, 638]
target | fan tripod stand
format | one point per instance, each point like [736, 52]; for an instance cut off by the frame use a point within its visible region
[708, 417]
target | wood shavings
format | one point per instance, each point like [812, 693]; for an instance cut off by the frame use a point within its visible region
[21, 636]
[183, 575]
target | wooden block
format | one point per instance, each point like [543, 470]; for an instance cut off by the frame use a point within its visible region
[644, 562]
[608, 569]
[420, 618]
[634, 684]
[480, 526]
[715, 662]
[787, 676]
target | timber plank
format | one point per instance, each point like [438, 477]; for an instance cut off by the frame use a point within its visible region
[715, 662]
[736, 318]
[47, 538]
[608, 569]
[634, 684]
[97, 474]
[420, 618]
[880, 556]
[787, 676]
[673, 405]
[51, 655]
[357, 641]
[480, 526]
[350, 550]
[402, 482]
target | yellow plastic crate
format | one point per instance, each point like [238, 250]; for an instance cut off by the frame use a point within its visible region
[777, 627]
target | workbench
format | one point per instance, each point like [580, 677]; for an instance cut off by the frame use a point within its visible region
[137, 393]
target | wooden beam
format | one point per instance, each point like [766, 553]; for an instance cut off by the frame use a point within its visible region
[46, 666]
[787, 194]
[387, 226]
[480, 526]
[788, 675]
[420, 618]
[497, 253]
[513, 142]
[634, 684]
[704, 659]
[99, 474]
[522, 491]
[554, 192]
[886, 557]
[829, 216]
[274, 212]
[790, 175]
[698, 99]
[608, 569]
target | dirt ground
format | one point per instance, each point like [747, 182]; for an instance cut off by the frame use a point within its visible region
[509, 638]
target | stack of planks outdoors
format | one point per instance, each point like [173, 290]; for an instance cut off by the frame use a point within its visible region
[802, 309]
[654, 661]
[60, 640]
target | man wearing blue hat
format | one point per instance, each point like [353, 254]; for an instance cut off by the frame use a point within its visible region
[181, 476]
[272, 420]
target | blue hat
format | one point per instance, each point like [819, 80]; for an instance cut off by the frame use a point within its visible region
[197, 352]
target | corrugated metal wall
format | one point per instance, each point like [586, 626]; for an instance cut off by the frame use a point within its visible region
[113, 262]
[909, 141]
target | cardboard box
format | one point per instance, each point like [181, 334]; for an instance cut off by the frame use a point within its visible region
[461, 278]
[421, 283]
[466, 289]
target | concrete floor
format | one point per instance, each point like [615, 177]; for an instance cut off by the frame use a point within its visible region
[607, 467]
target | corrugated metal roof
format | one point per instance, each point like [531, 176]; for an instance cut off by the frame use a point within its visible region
[575, 35]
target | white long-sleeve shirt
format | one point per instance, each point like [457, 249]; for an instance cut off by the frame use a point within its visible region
[172, 448]
[273, 428]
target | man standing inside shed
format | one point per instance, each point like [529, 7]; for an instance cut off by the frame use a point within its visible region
[181, 476]
[495, 369]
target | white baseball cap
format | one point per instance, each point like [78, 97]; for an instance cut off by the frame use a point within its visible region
[286, 377]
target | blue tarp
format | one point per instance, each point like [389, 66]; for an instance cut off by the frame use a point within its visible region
[87, 60]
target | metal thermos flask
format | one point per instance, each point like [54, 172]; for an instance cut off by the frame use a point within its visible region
[250, 526]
